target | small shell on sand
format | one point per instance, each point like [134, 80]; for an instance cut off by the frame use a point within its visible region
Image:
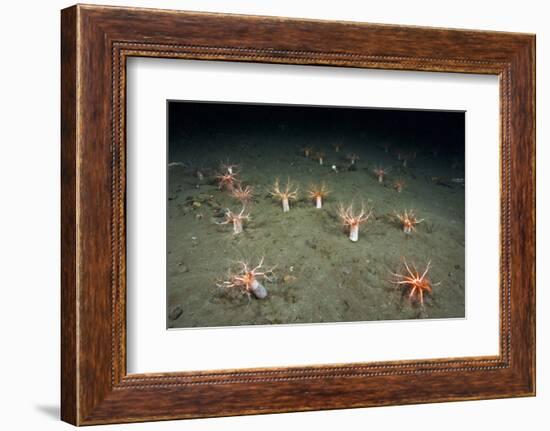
[176, 312]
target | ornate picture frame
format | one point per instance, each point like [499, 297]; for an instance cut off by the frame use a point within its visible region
[96, 41]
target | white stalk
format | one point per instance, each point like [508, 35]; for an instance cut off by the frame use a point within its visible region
[230, 169]
[237, 226]
[318, 202]
[258, 289]
[354, 232]
[380, 178]
[286, 207]
[320, 160]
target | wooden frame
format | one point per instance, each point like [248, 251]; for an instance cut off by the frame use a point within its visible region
[95, 42]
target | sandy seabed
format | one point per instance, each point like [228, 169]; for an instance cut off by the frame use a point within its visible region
[320, 275]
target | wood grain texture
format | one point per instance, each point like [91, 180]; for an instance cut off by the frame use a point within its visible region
[96, 42]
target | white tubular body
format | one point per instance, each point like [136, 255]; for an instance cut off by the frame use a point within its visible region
[258, 290]
[354, 232]
[286, 207]
[237, 226]
[318, 202]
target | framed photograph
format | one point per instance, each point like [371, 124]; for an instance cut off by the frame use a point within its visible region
[266, 215]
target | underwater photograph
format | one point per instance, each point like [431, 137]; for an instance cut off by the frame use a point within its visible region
[295, 214]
